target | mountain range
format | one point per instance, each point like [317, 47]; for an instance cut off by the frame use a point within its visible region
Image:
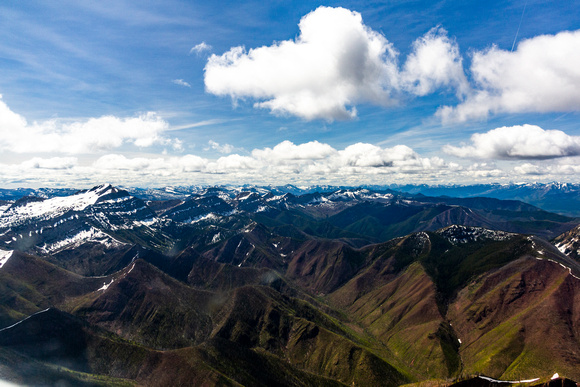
[562, 198]
[283, 286]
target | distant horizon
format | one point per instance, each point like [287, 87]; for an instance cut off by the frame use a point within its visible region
[299, 186]
[345, 92]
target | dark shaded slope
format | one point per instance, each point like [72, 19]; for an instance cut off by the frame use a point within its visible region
[301, 220]
[67, 341]
[94, 258]
[321, 266]
[258, 317]
[149, 307]
[29, 284]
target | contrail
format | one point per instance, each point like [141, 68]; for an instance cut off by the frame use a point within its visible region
[518, 31]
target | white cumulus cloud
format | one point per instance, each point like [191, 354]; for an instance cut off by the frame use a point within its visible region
[287, 151]
[51, 163]
[175, 165]
[518, 142]
[435, 62]
[89, 136]
[225, 148]
[560, 169]
[542, 75]
[189, 163]
[369, 155]
[529, 169]
[120, 162]
[334, 63]
[307, 163]
[337, 62]
[232, 163]
[306, 160]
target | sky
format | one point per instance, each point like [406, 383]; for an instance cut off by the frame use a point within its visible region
[156, 93]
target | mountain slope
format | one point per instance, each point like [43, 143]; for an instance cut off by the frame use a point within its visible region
[29, 284]
[251, 286]
[422, 294]
[520, 320]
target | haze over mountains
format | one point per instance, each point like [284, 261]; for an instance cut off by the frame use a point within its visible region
[281, 285]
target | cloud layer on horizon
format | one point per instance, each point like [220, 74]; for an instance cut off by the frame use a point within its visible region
[308, 163]
[286, 162]
[79, 137]
[522, 142]
[73, 152]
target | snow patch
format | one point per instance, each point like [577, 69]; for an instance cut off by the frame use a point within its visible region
[207, 217]
[4, 207]
[568, 246]
[508, 381]
[245, 196]
[90, 235]
[5, 255]
[106, 286]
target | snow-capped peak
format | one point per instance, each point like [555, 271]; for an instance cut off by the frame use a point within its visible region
[103, 189]
[76, 202]
[463, 234]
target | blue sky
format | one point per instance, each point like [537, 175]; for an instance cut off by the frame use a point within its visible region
[343, 92]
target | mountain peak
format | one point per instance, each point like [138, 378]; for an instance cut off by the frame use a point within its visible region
[103, 189]
[463, 234]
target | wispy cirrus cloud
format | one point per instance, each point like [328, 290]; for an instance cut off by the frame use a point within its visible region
[200, 48]
[214, 121]
[181, 82]
[523, 142]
